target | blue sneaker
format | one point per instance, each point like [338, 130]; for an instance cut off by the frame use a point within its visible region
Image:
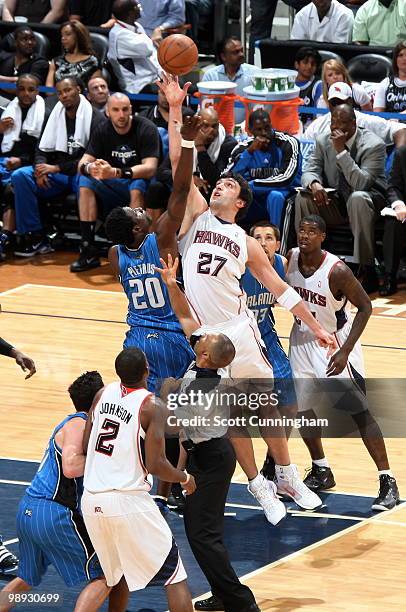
[8, 562]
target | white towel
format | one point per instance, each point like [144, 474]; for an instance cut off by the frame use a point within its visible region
[55, 137]
[32, 124]
[214, 149]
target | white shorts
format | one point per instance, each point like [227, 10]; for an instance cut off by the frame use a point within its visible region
[131, 539]
[250, 359]
[309, 363]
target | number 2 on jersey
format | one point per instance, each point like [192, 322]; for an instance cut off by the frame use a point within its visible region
[205, 261]
[111, 432]
[147, 294]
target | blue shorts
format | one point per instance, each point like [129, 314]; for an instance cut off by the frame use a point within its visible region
[50, 533]
[5, 175]
[282, 371]
[113, 192]
[168, 353]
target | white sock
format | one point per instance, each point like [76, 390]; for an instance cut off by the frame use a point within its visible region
[255, 478]
[382, 472]
[321, 462]
[283, 470]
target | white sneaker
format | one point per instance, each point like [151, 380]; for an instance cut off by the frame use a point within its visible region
[289, 483]
[264, 492]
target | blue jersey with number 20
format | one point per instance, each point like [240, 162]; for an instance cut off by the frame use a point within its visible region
[148, 299]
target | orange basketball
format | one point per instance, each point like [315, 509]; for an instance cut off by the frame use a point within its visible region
[177, 54]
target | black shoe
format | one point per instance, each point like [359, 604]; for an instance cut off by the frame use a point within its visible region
[389, 286]
[368, 278]
[32, 248]
[268, 469]
[8, 562]
[176, 499]
[319, 478]
[388, 495]
[211, 604]
[88, 259]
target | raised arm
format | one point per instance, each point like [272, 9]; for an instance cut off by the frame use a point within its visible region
[178, 299]
[286, 296]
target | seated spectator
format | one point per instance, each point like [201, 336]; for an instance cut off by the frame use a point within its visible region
[78, 60]
[98, 93]
[20, 126]
[352, 161]
[35, 11]
[158, 113]
[233, 69]
[63, 142]
[307, 64]
[391, 132]
[335, 72]
[271, 161]
[213, 148]
[122, 153]
[131, 52]
[23, 61]
[91, 12]
[390, 95]
[195, 9]
[380, 23]
[161, 15]
[323, 21]
[395, 227]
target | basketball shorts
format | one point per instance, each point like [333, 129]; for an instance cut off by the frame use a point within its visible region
[168, 353]
[132, 539]
[51, 534]
[283, 379]
[309, 362]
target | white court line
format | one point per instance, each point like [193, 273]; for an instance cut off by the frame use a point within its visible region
[13, 541]
[18, 459]
[236, 481]
[8, 291]
[14, 482]
[120, 293]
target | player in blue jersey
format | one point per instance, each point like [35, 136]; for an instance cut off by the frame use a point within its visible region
[260, 301]
[154, 327]
[50, 527]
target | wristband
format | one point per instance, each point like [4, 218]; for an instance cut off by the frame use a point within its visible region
[127, 173]
[84, 169]
[289, 298]
[187, 479]
[187, 144]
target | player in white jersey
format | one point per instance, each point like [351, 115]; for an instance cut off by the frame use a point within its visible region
[125, 441]
[330, 288]
[215, 252]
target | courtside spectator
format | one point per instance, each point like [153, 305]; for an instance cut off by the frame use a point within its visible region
[35, 11]
[351, 161]
[271, 162]
[380, 23]
[23, 61]
[131, 52]
[391, 132]
[233, 69]
[91, 12]
[323, 21]
[78, 60]
[55, 171]
[390, 95]
[122, 153]
[307, 64]
[98, 93]
[158, 16]
[335, 72]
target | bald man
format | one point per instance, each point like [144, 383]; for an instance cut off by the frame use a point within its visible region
[214, 148]
[121, 157]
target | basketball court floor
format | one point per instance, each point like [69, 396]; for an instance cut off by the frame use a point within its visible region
[341, 558]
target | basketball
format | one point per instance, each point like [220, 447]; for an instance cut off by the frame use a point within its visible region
[177, 54]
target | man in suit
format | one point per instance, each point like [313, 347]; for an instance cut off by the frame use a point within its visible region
[350, 160]
[395, 227]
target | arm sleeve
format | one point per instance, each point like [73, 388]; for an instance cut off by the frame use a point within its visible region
[240, 151]
[134, 45]
[176, 14]
[5, 348]
[360, 95]
[211, 172]
[299, 31]
[360, 29]
[343, 31]
[69, 166]
[290, 165]
[380, 94]
[148, 140]
[362, 177]
[313, 170]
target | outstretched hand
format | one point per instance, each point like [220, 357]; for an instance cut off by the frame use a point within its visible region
[191, 127]
[169, 86]
[168, 271]
[25, 363]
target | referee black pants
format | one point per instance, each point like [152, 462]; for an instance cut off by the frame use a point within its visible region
[212, 463]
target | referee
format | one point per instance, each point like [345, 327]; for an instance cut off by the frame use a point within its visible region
[210, 458]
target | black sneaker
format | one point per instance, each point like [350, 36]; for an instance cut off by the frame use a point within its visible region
[211, 604]
[5, 244]
[31, 249]
[8, 562]
[268, 469]
[88, 259]
[319, 478]
[388, 495]
[176, 499]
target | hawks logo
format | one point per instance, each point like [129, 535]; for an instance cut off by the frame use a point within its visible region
[97, 509]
